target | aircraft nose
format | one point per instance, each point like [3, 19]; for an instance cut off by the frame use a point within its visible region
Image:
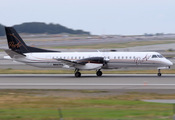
[169, 63]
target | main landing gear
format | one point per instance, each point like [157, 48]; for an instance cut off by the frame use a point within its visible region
[99, 73]
[77, 73]
[159, 73]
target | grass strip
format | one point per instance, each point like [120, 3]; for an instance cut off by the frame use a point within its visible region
[22, 106]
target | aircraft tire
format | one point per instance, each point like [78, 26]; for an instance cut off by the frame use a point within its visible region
[159, 74]
[77, 74]
[99, 73]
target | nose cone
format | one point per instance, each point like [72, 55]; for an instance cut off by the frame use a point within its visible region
[168, 63]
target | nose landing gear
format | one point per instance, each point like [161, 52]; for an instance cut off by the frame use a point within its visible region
[159, 73]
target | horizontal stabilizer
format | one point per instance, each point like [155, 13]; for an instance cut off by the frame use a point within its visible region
[13, 54]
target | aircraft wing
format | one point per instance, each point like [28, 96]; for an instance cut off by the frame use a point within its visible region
[87, 63]
[69, 62]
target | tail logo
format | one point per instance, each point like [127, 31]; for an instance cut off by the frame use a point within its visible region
[18, 45]
[13, 45]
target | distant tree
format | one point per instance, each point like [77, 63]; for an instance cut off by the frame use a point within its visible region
[40, 27]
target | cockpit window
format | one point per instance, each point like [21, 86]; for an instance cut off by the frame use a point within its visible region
[154, 56]
[160, 56]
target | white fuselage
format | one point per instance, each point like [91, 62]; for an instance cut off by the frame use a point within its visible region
[115, 60]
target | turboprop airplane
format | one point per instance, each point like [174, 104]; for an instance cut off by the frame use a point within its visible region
[20, 52]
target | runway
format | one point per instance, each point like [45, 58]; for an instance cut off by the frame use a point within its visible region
[87, 81]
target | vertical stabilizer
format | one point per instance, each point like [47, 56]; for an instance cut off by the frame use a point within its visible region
[15, 42]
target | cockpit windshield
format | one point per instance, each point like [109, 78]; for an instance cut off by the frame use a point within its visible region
[157, 56]
[154, 56]
[160, 56]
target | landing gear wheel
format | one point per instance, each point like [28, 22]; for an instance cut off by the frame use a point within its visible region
[99, 73]
[159, 74]
[77, 74]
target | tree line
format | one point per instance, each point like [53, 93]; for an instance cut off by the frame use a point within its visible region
[40, 27]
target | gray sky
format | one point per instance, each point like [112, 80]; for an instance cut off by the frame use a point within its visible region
[127, 17]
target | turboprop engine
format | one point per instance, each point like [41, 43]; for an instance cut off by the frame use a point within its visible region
[91, 63]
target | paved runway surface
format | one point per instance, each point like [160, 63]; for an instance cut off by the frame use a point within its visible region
[87, 81]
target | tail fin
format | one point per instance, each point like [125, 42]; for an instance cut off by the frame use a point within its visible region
[16, 43]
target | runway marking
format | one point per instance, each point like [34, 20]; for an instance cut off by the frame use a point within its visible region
[74, 84]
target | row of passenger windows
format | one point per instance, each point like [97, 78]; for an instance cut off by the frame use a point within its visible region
[119, 57]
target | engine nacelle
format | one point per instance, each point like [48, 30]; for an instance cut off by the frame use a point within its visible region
[91, 63]
[89, 66]
[95, 60]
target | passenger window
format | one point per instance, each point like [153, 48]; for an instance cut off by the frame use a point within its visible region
[71, 57]
[118, 57]
[75, 57]
[114, 57]
[122, 57]
[108, 57]
[154, 56]
[126, 57]
[130, 57]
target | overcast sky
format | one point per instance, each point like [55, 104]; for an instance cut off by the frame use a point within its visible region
[127, 17]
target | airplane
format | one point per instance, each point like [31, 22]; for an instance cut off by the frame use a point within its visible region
[78, 61]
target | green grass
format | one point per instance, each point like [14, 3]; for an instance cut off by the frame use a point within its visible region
[23, 106]
[92, 109]
[116, 45]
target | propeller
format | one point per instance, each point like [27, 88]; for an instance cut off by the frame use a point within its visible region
[105, 61]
